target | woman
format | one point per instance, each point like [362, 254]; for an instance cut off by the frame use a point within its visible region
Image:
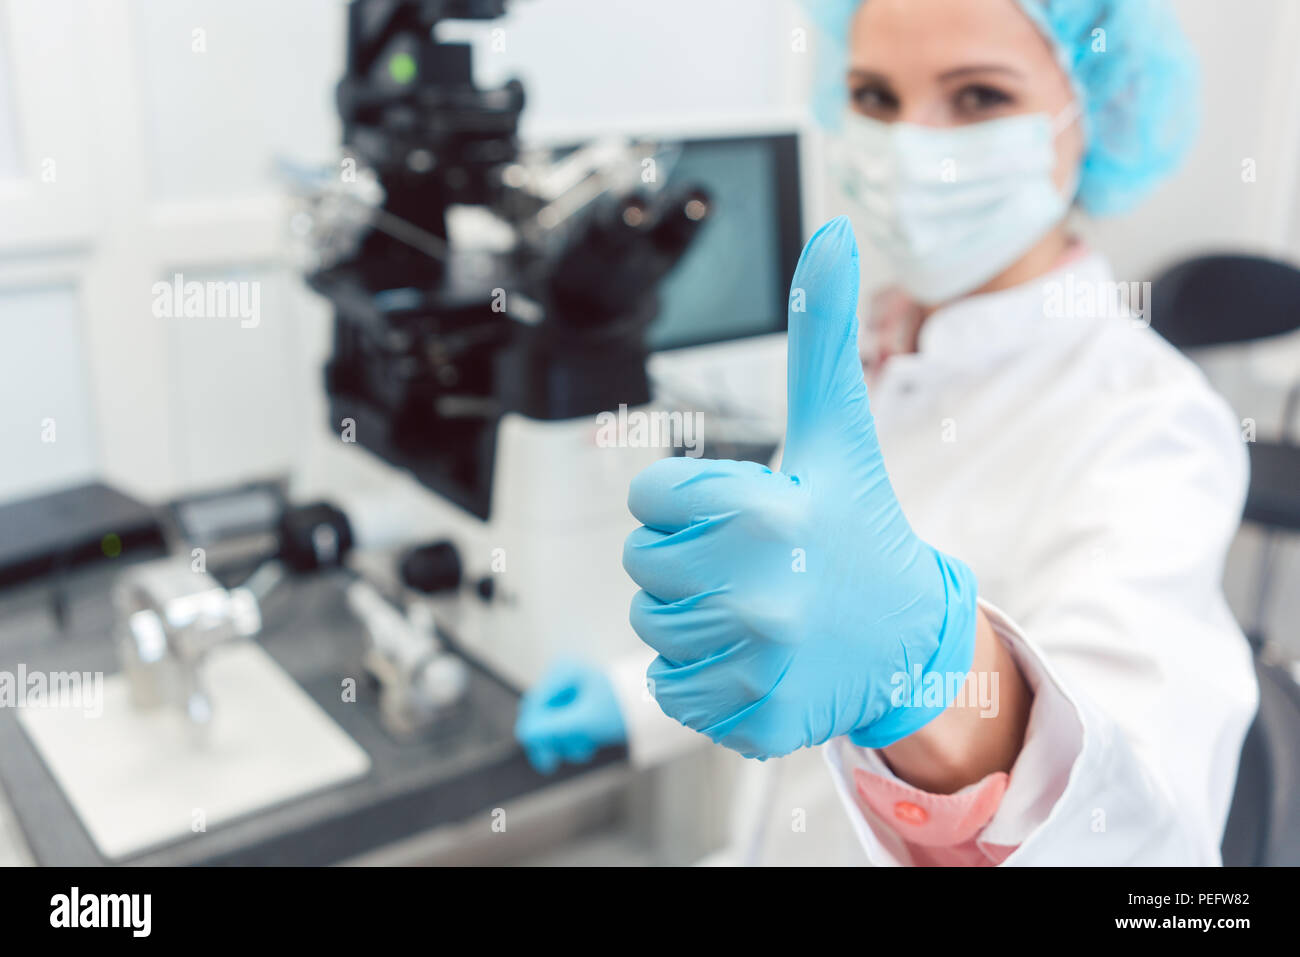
[993, 592]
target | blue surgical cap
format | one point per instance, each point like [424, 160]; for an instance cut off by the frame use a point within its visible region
[1132, 69]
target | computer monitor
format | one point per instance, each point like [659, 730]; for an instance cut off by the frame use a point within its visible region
[734, 280]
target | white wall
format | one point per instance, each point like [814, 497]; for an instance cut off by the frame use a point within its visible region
[591, 66]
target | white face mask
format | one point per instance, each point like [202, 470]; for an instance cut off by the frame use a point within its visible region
[954, 206]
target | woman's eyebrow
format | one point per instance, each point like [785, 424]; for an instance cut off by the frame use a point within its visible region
[980, 68]
[869, 76]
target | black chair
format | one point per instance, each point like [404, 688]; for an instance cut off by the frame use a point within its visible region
[1264, 820]
[1223, 300]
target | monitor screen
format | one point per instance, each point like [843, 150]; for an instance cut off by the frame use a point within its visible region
[734, 280]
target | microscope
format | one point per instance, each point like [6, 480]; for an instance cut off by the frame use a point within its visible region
[490, 304]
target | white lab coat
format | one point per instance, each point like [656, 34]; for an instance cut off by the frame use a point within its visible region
[1092, 480]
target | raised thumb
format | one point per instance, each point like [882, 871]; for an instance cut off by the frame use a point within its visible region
[828, 414]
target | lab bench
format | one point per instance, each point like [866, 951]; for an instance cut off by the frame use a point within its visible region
[439, 787]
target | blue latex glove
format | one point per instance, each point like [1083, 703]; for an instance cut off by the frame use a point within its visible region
[568, 716]
[790, 607]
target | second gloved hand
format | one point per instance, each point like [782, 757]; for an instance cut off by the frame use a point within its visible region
[568, 716]
[791, 607]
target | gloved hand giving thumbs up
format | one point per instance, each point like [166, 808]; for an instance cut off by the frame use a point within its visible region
[790, 607]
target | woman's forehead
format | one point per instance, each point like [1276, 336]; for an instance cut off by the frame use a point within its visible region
[931, 38]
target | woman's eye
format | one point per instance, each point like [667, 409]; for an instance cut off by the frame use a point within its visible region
[873, 100]
[974, 101]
